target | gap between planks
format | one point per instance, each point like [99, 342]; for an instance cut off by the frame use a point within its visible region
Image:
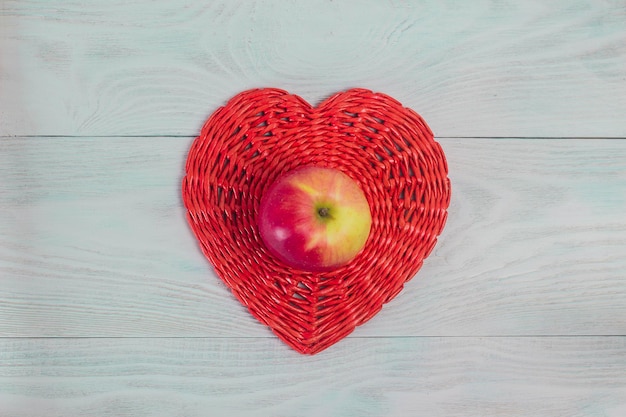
[512, 336]
[192, 137]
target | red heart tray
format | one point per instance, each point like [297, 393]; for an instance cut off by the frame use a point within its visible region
[260, 134]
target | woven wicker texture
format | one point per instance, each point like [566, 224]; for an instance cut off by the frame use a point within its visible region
[259, 135]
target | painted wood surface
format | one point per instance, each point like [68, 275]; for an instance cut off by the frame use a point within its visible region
[508, 377]
[471, 68]
[94, 242]
[108, 308]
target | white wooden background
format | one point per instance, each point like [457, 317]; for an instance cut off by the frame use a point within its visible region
[108, 308]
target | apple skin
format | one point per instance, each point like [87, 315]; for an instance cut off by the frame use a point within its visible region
[314, 218]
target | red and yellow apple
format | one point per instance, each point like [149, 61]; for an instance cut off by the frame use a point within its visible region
[314, 218]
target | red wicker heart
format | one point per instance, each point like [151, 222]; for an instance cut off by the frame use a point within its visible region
[260, 134]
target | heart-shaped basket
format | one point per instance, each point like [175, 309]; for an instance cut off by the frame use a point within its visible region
[260, 134]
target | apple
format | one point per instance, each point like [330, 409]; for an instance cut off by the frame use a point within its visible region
[314, 218]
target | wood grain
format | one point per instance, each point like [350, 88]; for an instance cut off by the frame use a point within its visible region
[94, 242]
[481, 68]
[108, 308]
[508, 377]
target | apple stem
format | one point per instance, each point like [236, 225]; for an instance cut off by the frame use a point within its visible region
[324, 212]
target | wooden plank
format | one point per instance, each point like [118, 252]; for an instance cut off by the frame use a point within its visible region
[509, 377]
[94, 242]
[528, 68]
